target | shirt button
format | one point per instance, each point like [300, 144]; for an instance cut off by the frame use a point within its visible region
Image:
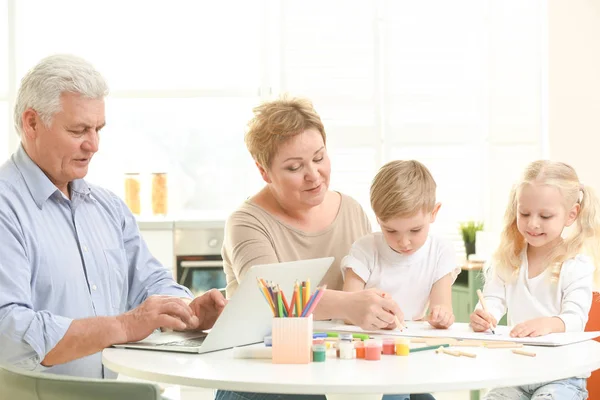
[94, 287]
[85, 249]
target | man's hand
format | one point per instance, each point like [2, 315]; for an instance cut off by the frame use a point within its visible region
[207, 308]
[156, 312]
[441, 316]
[372, 310]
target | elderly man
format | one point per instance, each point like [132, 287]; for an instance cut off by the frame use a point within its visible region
[75, 274]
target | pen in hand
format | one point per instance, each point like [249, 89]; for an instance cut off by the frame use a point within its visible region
[400, 326]
[482, 301]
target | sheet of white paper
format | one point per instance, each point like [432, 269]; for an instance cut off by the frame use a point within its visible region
[464, 331]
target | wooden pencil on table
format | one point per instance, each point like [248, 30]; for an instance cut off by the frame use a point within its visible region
[524, 353]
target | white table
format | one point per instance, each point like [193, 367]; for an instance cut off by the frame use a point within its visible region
[421, 372]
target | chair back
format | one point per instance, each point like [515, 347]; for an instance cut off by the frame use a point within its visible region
[593, 324]
[18, 384]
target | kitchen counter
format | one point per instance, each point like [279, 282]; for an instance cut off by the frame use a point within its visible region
[189, 220]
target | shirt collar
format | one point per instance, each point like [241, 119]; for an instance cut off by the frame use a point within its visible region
[401, 259]
[40, 187]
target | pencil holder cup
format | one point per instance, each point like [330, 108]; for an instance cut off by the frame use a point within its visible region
[292, 340]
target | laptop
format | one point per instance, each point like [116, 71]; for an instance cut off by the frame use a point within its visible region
[247, 317]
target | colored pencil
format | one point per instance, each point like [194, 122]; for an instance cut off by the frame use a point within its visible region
[292, 304]
[266, 295]
[400, 326]
[285, 303]
[280, 305]
[314, 301]
[298, 299]
[308, 296]
[482, 301]
[416, 349]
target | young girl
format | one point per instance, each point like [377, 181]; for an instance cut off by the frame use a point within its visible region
[544, 280]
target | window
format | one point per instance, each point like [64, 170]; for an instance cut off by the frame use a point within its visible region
[3, 48]
[198, 142]
[457, 85]
[5, 128]
[145, 46]
[3, 136]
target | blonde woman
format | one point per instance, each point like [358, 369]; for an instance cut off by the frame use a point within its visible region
[544, 280]
[295, 216]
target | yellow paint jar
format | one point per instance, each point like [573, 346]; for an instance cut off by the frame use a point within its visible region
[402, 346]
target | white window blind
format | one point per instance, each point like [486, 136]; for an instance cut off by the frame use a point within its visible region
[184, 76]
[435, 61]
[3, 49]
[4, 123]
[5, 126]
[149, 45]
[330, 57]
[457, 85]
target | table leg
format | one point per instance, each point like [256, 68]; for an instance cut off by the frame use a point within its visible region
[354, 396]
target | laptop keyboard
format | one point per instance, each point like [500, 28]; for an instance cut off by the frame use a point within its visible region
[186, 343]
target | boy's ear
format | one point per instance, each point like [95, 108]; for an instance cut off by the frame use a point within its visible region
[572, 215]
[263, 172]
[436, 208]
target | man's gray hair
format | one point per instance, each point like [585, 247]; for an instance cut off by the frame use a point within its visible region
[43, 85]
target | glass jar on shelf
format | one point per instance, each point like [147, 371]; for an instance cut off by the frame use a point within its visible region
[132, 192]
[159, 193]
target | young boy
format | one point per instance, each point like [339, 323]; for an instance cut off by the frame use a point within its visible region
[406, 262]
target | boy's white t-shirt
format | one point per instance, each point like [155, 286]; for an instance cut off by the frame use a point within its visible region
[407, 278]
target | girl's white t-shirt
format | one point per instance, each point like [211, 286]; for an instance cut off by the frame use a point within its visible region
[569, 297]
[407, 278]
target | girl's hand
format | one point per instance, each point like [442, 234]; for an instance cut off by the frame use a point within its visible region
[482, 321]
[538, 327]
[441, 316]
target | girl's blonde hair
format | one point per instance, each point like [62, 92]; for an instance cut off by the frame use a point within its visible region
[585, 236]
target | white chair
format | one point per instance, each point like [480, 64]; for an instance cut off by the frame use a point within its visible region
[18, 384]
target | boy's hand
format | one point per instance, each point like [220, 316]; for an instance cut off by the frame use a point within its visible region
[482, 321]
[538, 327]
[441, 316]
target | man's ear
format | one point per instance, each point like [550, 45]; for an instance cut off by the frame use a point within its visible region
[573, 214]
[263, 172]
[436, 208]
[31, 123]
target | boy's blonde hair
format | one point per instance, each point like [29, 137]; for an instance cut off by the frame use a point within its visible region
[402, 189]
[585, 236]
[275, 122]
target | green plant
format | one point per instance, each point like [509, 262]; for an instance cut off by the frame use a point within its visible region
[469, 229]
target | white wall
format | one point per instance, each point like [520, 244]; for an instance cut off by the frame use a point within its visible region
[574, 85]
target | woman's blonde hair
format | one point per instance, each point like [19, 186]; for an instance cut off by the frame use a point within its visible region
[585, 236]
[402, 189]
[275, 122]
